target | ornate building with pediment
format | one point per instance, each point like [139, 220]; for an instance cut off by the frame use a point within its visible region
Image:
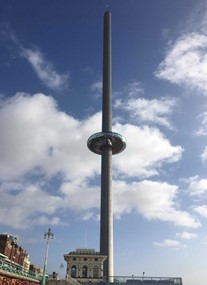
[85, 265]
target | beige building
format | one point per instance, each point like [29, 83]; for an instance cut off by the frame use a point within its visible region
[85, 265]
[26, 263]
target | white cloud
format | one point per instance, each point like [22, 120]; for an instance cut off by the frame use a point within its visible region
[153, 200]
[29, 202]
[89, 215]
[202, 131]
[43, 207]
[44, 220]
[134, 89]
[51, 138]
[196, 186]
[186, 62]
[39, 141]
[147, 150]
[204, 155]
[35, 135]
[197, 20]
[155, 111]
[97, 87]
[202, 210]
[44, 69]
[186, 235]
[203, 128]
[169, 243]
[73, 191]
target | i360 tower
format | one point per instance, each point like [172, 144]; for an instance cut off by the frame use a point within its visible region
[106, 143]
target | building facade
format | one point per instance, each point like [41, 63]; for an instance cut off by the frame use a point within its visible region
[35, 270]
[85, 265]
[10, 249]
[14, 252]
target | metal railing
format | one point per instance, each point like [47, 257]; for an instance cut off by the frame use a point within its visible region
[12, 267]
[140, 280]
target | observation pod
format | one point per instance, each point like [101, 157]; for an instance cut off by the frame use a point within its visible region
[98, 141]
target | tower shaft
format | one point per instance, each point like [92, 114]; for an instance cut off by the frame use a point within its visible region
[106, 143]
[106, 222]
[107, 76]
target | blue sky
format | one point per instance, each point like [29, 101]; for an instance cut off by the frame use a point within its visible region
[50, 103]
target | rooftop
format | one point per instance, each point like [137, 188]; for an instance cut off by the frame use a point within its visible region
[90, 251]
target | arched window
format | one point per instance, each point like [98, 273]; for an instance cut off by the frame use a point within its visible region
[73, 271]
[95, 271]
[84, 271]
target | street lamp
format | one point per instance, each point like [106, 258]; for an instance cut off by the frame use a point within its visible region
[143, 275]
[47, 236]
[61, 271]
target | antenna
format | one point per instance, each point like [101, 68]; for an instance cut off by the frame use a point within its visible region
[86, 230]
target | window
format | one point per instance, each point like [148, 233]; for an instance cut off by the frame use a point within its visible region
[73, 271]
[84, 271]
[95, 271]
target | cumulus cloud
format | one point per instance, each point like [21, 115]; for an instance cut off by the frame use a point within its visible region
[51, 138]
[186, 62]
[27, 202]
[204, 154]
[134, 89]
[97, 87]
[202, 210]
[203, 127]
[154, 200]
[147, 150]
[186, 235]
[169, 243]
[73, 191]
[196, 186]
[155, 111]
[202, 131]
[35, 135]
[38, 141]
[45, 70]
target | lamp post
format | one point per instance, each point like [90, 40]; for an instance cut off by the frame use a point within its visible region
[61, 271]
[143, 275]
[47, 236]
